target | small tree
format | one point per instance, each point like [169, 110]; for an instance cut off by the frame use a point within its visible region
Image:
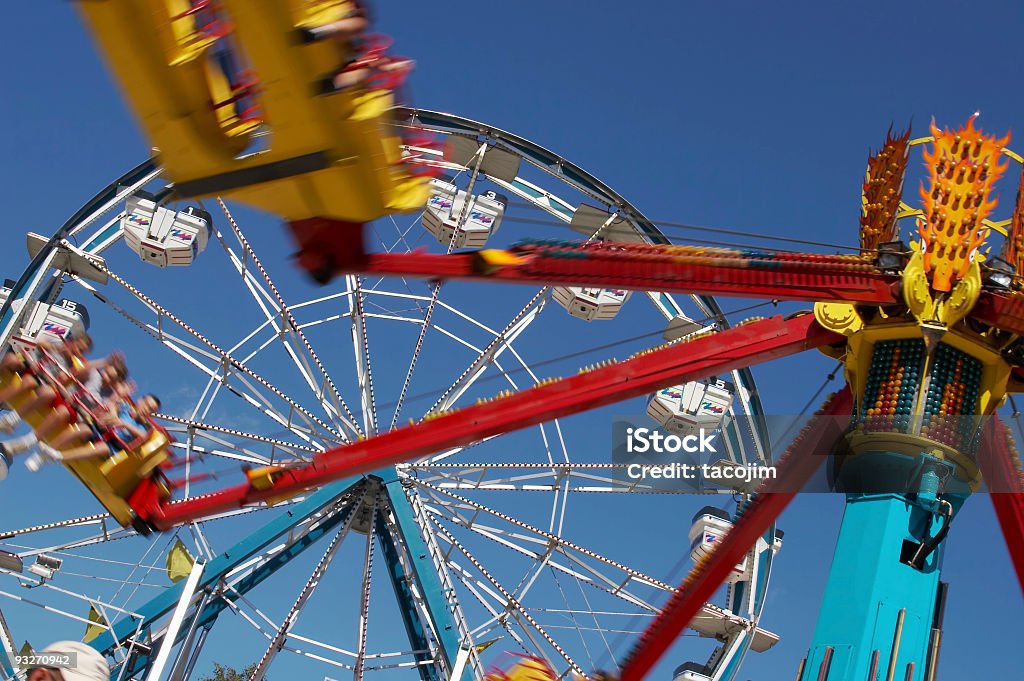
[222, 673]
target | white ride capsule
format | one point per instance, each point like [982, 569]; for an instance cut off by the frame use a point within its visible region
[691, 671]
[54, 323]
[710, 524]
[161, 236]
[590, 303]
[686, 409]
[446, 205]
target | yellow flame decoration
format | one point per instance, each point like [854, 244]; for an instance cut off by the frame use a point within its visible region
[964, 166]
[882, 190]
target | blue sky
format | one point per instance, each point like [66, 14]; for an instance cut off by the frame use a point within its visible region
[750, 116]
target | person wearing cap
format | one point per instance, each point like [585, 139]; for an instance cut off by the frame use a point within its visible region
[83, 663]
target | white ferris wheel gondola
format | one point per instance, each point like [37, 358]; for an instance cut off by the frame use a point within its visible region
[444, 217]
[687, 409]
[52, 322]
[590, 303]
[162, 236]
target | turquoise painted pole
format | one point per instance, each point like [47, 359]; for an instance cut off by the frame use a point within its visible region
[878, 612]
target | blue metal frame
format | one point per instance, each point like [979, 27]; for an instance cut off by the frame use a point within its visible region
[413, 626]
[227, 561]
[415, 549]
[425, 572]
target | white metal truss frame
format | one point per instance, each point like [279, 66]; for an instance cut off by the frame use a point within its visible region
[220, 366]
[281, 635]
[361, 348]
[498, 477]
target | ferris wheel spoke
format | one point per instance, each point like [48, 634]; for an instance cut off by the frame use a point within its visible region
[94, 519]
[336, 407]
[541, 553]
[445, 498]
[364, 599]
[415, 354]
[491, 601]
[497, 477]
[361, 347]
[512, 605]
[281, 635]
[436, 289]
[68, 594]
[225, 359]
[100, 538]
[194, 426]
[226, 451]
[492, 351]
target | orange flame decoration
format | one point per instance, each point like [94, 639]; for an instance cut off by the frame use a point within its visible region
[1013, 247]
[964, 166]
[883, 188]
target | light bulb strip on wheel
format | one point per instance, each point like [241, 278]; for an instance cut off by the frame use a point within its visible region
[488, 353]
[202, 425]
[593, 580]
[359, 319]
[364, 600]
[511, 601]
[7, 534]
[224, 355]
[635, 574]
[287, 313]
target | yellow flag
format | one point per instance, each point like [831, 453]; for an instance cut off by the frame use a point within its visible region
[97, 627]
[481, 647]
[26, 650]
[179, 562]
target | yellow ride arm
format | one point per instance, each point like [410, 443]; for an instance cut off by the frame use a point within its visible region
[327, 155]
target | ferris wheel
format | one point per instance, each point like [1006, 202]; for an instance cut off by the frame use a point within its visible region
[514, 543]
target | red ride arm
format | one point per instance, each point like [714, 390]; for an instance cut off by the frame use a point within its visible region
[998, 462]
[808, 450]
[682, 269]
[741, 346]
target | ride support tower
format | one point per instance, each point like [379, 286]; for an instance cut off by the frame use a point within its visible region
[923, 380]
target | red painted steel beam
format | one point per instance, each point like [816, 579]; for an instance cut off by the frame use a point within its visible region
[709, 355]
[802, 458]
[799, 277]
[998, 461]
[1001, 310]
